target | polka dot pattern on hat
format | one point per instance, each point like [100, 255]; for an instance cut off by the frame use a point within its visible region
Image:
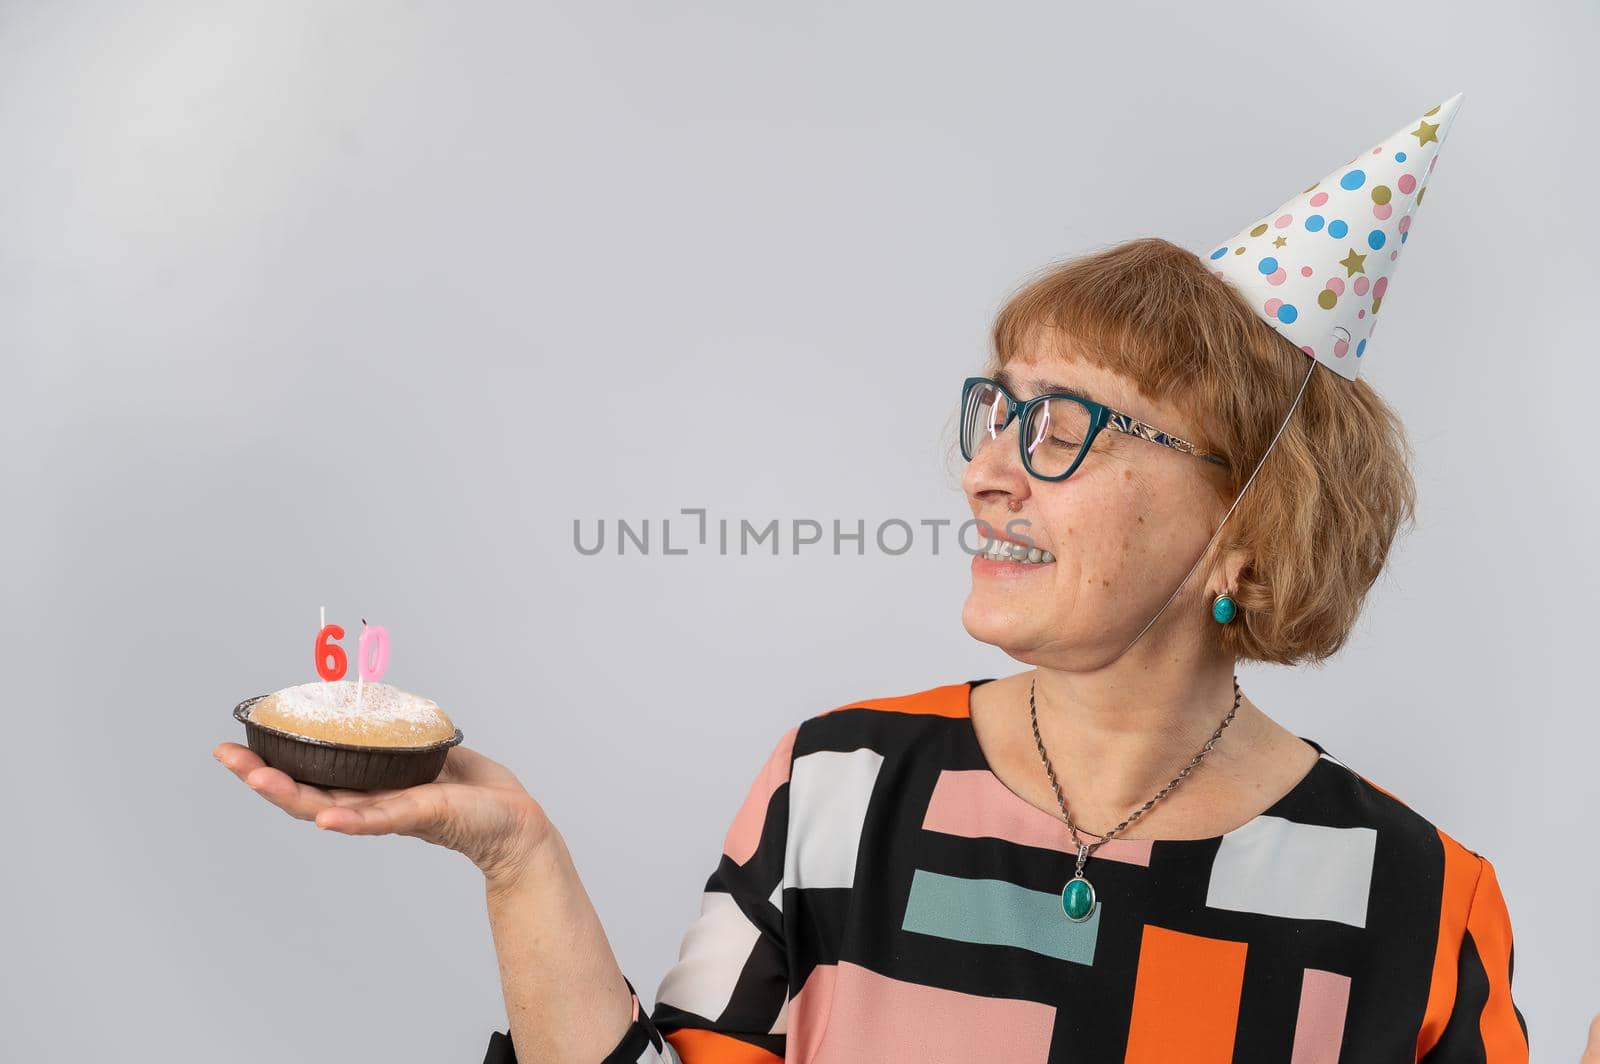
[1316, 266]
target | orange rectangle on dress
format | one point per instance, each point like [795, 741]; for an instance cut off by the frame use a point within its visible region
[1185, 998]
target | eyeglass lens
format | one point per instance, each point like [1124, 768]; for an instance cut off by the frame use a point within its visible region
[1053, 433]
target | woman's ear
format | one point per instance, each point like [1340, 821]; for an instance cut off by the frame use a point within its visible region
[1225, 575]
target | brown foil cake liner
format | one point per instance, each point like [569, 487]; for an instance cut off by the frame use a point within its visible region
[328, 764]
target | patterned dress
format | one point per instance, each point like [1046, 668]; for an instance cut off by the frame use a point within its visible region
[882, 897]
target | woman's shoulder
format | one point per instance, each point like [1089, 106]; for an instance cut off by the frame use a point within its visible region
[1408, 846]
[886, 724]
[835, 761]
[843, 749]
[1438, 901]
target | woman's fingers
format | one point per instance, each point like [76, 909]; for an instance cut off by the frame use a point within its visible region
[1591, 1052]
[295, 798]
[341, 796]
[408, 812]
[248, 766]
[462, 765]
[299, 800]
[237, 759]
[476, 806]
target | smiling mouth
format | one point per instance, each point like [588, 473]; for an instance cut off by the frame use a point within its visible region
[996, 549]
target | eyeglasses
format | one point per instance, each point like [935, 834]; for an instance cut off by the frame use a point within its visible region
[1057, 428]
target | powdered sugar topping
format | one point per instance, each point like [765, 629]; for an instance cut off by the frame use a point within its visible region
[337, 701]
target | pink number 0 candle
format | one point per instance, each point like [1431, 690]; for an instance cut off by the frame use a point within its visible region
[372, 653]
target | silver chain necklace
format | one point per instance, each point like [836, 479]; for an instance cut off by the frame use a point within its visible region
[1077, 896]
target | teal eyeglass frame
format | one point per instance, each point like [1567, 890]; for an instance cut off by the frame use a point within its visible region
[1100, 416]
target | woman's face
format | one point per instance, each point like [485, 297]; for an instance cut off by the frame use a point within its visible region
[1124, 528]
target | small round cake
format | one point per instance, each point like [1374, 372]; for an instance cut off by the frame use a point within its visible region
[385, 716]
[318, 734]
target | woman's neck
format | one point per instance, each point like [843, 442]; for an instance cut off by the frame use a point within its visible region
[1115, 741]
[1135, 730]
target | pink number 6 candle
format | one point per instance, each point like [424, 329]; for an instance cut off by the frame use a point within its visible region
[372, 653]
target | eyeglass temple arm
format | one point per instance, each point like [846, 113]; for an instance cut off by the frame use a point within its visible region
[1144, 430]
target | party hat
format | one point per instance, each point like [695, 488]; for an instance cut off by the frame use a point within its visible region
[1317, 269]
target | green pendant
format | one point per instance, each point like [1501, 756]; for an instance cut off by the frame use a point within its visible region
[1077, 898]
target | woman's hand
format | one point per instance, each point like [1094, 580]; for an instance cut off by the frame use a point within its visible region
[476, 807]
[1591, 1052]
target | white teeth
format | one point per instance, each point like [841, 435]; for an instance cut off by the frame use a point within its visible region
[1002, 550]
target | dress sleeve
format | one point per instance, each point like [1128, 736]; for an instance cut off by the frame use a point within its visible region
[1485, 1024]
[631, 1048]
[725, 1000]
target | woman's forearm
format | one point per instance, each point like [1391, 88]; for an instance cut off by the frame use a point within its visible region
[565, 995]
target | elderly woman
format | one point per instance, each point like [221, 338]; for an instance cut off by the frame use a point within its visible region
[1112, 855]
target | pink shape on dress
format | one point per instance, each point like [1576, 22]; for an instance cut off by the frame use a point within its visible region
[881, 1019]
[1319, 1029]
[974, 804]
[744, 834]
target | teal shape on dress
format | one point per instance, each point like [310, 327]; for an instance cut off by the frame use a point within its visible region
[994, 912]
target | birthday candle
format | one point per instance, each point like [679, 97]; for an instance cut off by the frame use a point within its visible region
[329, 654]
[372, 656]
[372, 652]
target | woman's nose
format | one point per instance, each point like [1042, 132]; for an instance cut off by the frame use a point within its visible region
[995, 473]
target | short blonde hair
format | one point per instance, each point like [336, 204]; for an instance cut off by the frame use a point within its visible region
[1325, 507]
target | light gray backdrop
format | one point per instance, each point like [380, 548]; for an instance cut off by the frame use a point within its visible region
[362, 304]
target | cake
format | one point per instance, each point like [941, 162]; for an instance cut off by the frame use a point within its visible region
[317, 733]
[386, 716]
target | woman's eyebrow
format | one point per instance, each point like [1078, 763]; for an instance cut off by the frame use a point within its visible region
[1010, 382]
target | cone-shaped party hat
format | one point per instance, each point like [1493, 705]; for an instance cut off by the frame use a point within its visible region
[1317, 269]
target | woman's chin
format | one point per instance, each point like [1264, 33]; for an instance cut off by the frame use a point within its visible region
[999, 624]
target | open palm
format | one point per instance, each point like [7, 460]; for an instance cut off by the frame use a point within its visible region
[476, 807]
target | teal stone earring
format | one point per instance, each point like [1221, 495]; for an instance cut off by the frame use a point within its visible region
[1223, 609]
